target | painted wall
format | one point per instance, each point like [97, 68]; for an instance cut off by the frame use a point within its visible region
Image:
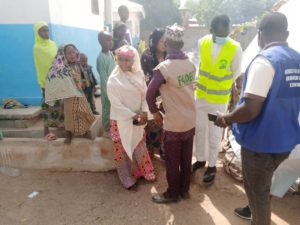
[76, 13]
[17, 72]
[23, 11]
[70, 21]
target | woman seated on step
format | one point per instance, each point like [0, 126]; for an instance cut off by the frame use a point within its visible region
[64, 82]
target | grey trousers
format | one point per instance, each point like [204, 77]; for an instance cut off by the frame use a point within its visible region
[258, 170]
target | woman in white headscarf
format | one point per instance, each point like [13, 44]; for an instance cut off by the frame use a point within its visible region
[126, 91]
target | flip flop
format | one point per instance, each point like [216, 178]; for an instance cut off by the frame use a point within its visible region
[51, 137]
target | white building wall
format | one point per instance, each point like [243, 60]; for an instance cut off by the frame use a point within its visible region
[76, 13]
[23, 11]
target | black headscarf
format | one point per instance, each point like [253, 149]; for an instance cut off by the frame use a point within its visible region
[148, 58]
[154, 38]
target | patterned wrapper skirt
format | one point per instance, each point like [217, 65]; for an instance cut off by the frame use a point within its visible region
[130, 170]
[154, 137]
[78, 115]
[53, 116]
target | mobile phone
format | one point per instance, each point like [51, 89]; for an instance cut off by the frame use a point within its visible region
[212, 117]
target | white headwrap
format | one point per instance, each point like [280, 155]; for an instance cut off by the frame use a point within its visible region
[126, 92]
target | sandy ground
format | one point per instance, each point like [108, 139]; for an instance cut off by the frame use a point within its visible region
[67, 198]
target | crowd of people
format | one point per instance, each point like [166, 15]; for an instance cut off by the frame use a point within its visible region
[155, 104]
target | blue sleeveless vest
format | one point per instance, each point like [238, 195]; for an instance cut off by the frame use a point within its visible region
[277, 128]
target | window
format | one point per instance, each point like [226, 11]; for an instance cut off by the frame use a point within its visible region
[95, 7]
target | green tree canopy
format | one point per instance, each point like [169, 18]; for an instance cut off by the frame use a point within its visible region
[239, 11]
[159, 13]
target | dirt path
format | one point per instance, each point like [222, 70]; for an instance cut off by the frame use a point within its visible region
[67, 198]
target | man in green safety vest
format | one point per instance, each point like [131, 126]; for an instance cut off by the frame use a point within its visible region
[220, 65]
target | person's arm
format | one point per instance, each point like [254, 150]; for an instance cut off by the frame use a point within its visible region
[128, 37]
[114, 97]
[198, 60]
[259, 81]
[92, 76]
[145, 107]
[153, 88]
[102, 70]
[145, 62]
[236, 65]
[246, 112]
[40, 80]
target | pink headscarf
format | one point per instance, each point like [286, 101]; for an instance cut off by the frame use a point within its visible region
[125, 51]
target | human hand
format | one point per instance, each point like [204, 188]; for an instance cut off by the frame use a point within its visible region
[220, 121]
[158, 119]
[143, 118]
[140, 119]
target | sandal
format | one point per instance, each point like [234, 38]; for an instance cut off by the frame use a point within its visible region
[133, 188]
[51, 136]
[209, 175]
[150, 177]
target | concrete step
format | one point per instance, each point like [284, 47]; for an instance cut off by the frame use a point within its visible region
[36, 130]
[18, 123]
[81, 155]
[19, 118]
[20, 114]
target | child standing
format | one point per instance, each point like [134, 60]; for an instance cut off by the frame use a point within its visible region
[174, 79]
[105, 65]
[119, 38]
[89, 82]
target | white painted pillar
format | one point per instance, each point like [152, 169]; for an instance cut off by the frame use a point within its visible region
[108, 14]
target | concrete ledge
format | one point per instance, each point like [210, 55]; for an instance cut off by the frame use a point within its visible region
[80, 155]
[20, 114]
[19, 123]
[37, 130]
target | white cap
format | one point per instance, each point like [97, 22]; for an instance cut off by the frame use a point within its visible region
[174, 32]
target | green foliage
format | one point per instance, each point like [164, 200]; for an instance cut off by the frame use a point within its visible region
[176, 3]
[239, 11]
[159, 13]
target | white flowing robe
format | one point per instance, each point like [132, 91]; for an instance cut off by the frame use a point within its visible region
[126, 101]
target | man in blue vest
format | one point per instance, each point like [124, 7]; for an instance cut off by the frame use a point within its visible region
[266, 121]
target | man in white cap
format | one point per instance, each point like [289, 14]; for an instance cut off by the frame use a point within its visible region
[174, 79]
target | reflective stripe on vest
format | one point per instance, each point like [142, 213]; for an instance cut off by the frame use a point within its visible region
[215, 78]
[213, 92]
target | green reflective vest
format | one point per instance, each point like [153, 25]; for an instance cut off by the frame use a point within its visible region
[215, 78]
